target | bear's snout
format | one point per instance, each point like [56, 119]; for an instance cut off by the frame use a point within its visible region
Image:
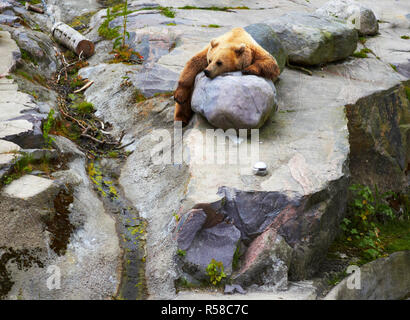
[207, 73]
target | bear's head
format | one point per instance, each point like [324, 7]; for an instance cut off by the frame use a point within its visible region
[227, 58]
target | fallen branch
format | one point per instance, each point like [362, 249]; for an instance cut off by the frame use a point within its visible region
[86, 86]
[34, 8]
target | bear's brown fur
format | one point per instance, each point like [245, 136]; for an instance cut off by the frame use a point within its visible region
[233, 51]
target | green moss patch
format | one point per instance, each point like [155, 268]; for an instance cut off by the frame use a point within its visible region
[362, 53]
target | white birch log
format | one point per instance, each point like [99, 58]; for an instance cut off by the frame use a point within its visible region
[72, 39]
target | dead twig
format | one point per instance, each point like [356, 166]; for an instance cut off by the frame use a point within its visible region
[84, 87]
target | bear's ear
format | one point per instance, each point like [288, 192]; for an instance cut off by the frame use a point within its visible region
[240, 49]
[214, 43]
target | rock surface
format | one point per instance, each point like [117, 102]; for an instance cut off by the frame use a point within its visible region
[382, 279]
[313, 39]
[28, 187]
[234, 101]
[360, 16]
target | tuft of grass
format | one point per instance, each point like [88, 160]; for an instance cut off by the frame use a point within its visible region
[84, 107]
[105, 31]
[211, 26]
[407, 90]
[167, 12]
[139, 97]
[405, 37]
[393, 67]
[362, 53]
[171, 24]
[362, 40]
[213, 8]
[26, 56]
[113, 154]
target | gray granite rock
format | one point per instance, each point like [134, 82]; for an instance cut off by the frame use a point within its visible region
[234, 101]
[267, 39]
[312, 39]
[361, 17]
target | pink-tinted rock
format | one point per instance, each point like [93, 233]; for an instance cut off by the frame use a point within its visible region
[266, 261]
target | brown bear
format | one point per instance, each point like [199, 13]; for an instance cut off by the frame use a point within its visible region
[233, 51]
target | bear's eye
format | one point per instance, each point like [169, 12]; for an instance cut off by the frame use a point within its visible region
[219, 63]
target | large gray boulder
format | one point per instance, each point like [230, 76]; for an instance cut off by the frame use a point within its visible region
[312, 39]
[361, 17]
[267, 39]
[234, 100]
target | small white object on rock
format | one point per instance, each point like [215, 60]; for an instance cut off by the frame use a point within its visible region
[27, 187]
[260, 168]
[363, 18]
[234, 100]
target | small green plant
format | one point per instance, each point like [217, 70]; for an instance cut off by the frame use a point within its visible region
[22, 166]
[236, 257]
[122, 52]
[105, 31]
[215, 271]
[113, 154]
[393, 67]
[167, 12]
[176, 216]
[211, 26]
[47, 126]
[405, 37]
[367, 210]
[139, 96]
[84, 107]
[362, 53]
[181, 253]
[407, 90]
[362, 40]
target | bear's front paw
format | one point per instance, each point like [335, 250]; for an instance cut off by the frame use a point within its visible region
[250, 71]
[181, 95]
